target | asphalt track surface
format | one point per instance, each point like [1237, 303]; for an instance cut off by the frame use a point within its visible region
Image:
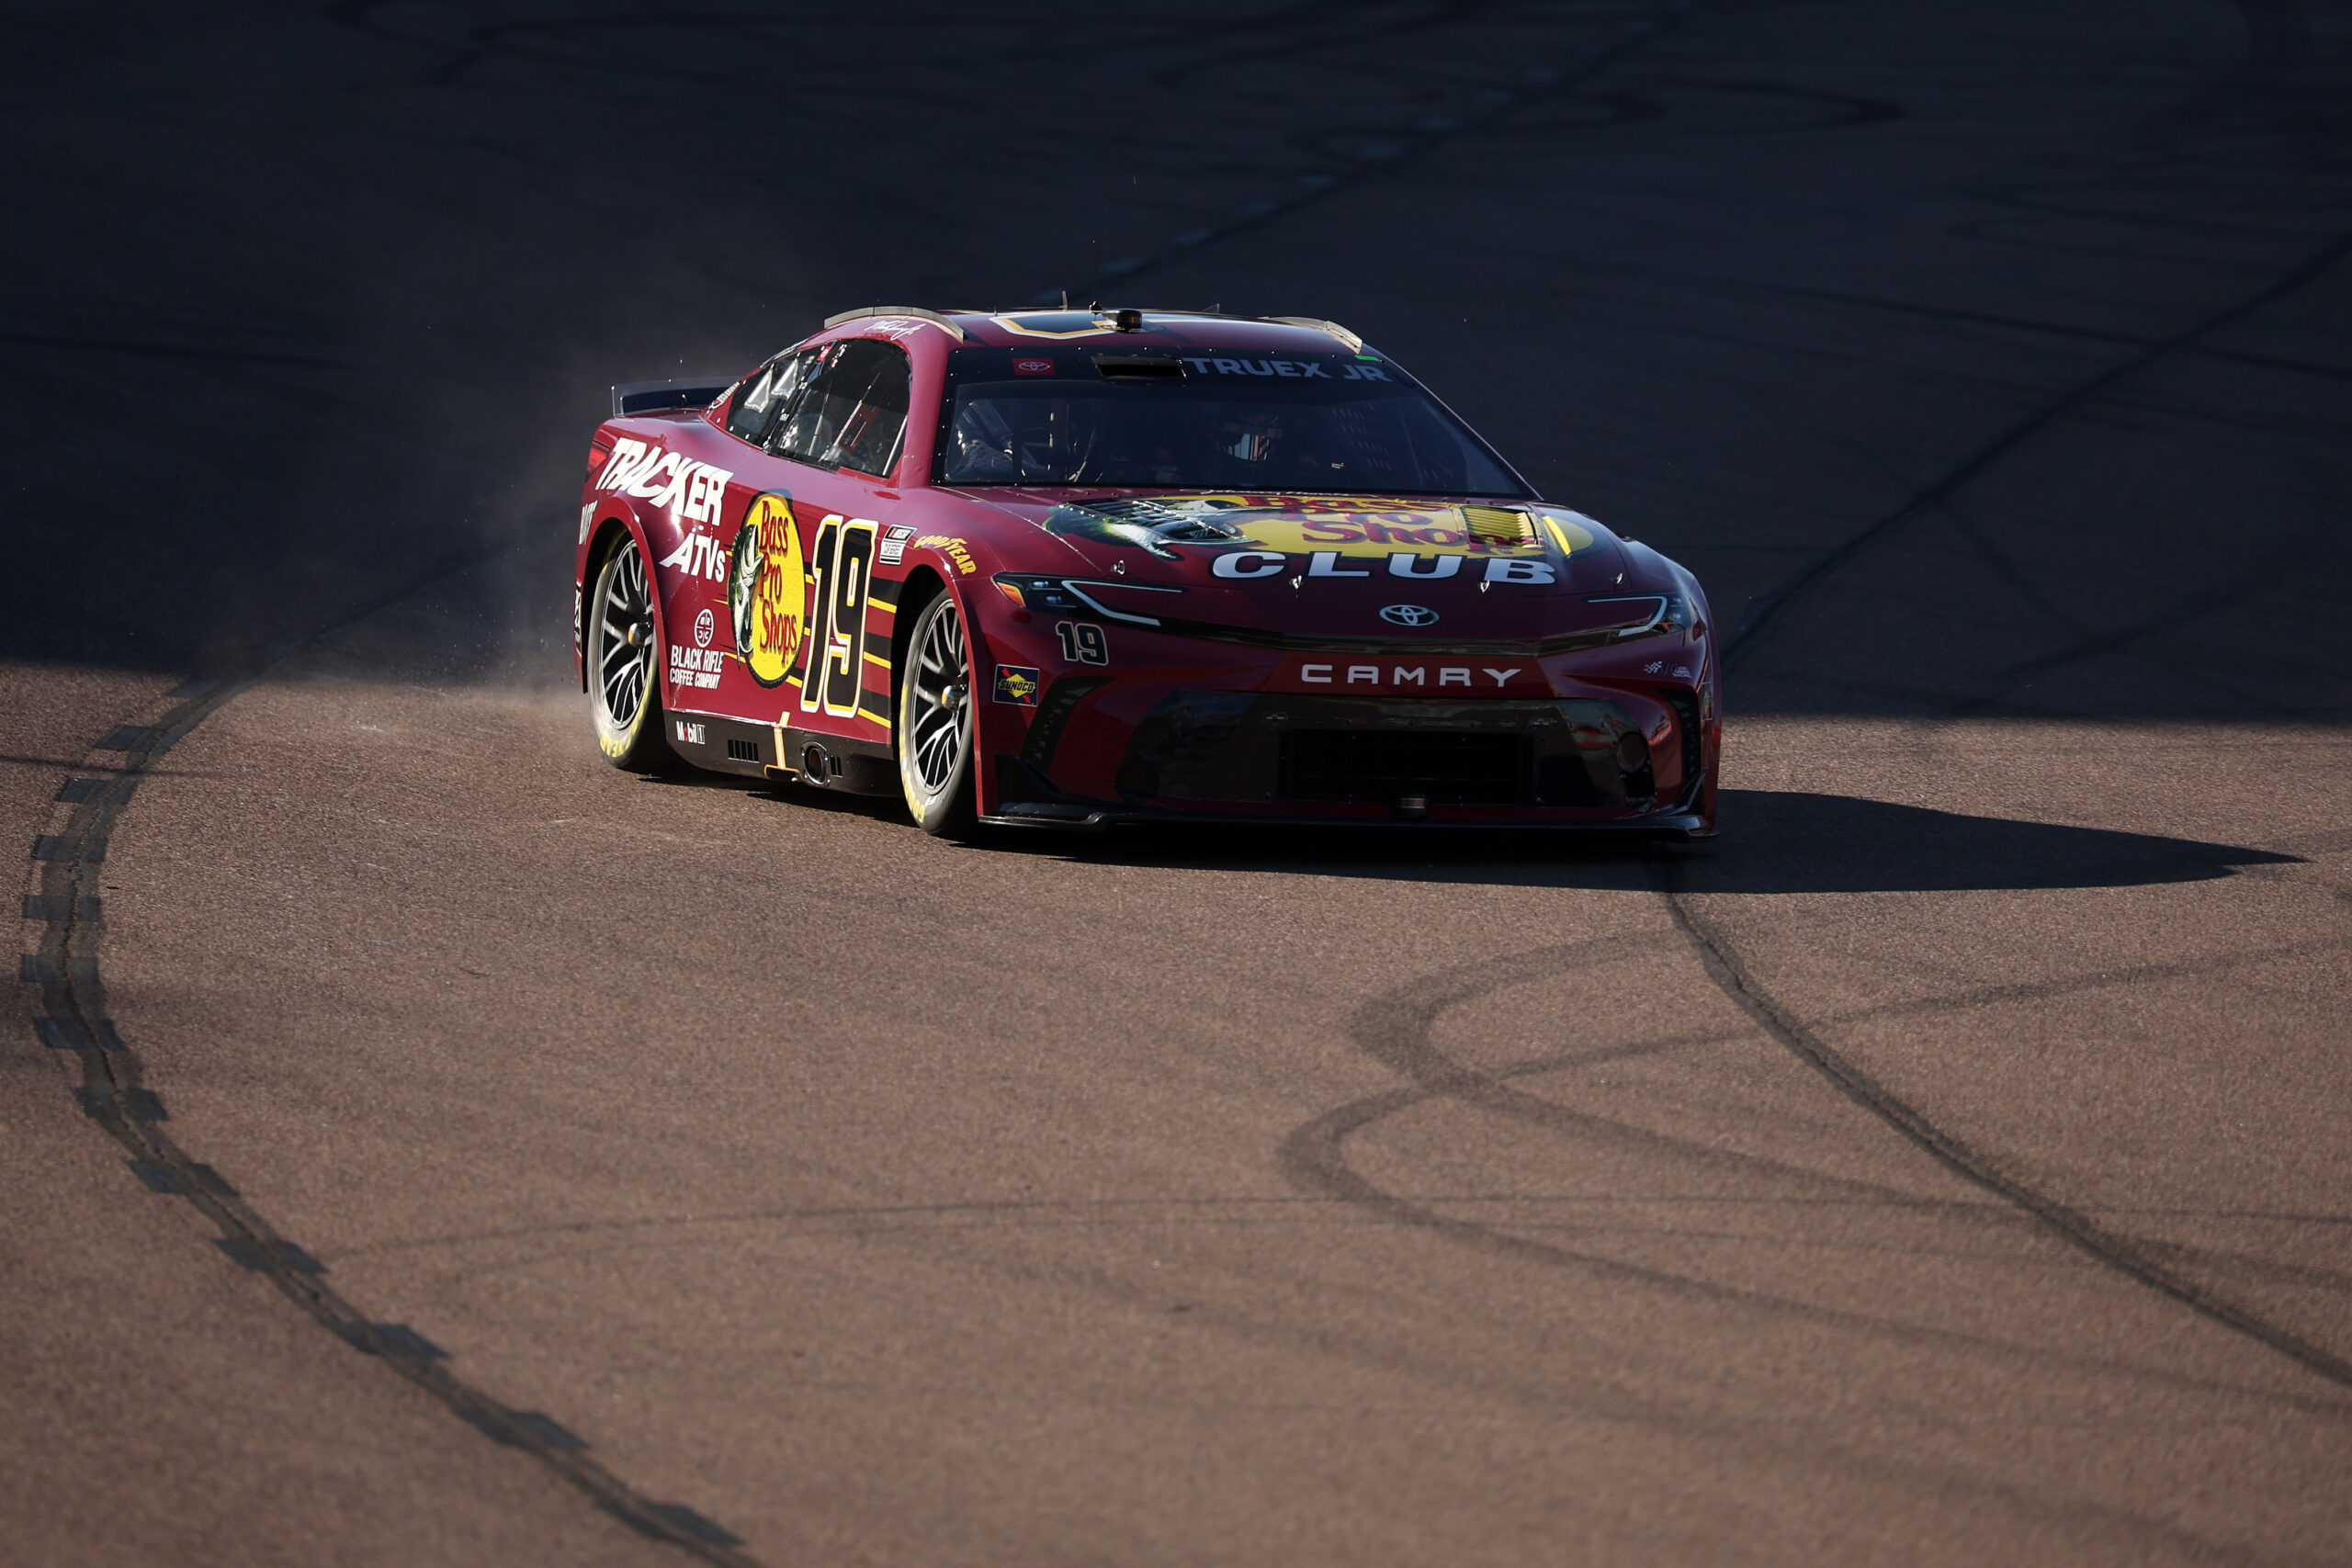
[420, 1142]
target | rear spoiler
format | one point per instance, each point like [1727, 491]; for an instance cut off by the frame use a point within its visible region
[914, 312]
[653, 397]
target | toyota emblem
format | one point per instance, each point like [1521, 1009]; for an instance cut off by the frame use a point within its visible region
[1407, 615]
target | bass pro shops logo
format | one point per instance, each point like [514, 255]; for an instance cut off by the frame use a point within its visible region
[767, 592]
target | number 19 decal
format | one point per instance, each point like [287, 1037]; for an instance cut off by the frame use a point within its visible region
[837, 565]
[1083, 642]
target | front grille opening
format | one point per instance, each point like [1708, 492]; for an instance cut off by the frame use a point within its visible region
[1380, 767]
[743, 750]
[1685, 704]
[1060, 701]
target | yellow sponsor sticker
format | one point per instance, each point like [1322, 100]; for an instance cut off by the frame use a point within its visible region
[767, 589]
[1342, 525]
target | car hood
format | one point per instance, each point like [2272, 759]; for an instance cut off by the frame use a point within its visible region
[1392, 568]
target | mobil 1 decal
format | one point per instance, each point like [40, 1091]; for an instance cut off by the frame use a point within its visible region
[839, 562]
[767, 589]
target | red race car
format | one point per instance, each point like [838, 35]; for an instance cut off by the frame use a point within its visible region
[1076, 568]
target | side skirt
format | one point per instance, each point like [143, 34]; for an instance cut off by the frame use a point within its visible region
[780, 751]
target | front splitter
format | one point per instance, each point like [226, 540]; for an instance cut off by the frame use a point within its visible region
[1679, 826]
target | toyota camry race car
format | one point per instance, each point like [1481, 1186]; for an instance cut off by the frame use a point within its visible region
[1080, 567]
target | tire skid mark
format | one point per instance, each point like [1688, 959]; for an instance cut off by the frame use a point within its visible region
[1766, 616]
[1659, 97]
[2208, 599]
[1395, 1029]
[2084, 643]
[1100, 1211]
[1312, 28]
[73, 1015]
[2111, 1247]
[2246, 1263]
[2142, 1262]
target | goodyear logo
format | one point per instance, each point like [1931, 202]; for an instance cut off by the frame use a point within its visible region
[952, 549]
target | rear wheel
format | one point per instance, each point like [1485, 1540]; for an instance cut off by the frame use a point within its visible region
[623, 700]
[935, 723]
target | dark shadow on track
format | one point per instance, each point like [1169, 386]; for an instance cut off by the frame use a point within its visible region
[1776, 841]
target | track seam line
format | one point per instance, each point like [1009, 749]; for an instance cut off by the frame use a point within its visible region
[74, 1015]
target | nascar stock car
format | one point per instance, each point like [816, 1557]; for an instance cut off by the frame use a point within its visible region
[1082, 567]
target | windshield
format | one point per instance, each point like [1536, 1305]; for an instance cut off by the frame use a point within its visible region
[1204, 419]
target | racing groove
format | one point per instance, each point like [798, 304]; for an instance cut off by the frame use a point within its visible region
[996, 1204]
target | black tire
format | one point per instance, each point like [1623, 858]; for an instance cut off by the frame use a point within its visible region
[623, 691]
[934, 729]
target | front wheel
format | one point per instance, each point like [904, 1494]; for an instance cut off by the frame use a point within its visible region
[623, 700]
[935, 723]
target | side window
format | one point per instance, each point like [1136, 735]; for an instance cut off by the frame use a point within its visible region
[852, 413]
[804, 431]
[869, 440]
[763, 395]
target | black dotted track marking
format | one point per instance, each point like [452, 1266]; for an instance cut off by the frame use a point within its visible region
[72, 1016]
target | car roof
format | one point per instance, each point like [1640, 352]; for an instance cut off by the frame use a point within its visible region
[1048, 326]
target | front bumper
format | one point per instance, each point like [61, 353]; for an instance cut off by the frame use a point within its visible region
[1676, 825]
[1613, 763]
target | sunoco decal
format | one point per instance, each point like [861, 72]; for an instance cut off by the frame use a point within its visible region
[1017, 684]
